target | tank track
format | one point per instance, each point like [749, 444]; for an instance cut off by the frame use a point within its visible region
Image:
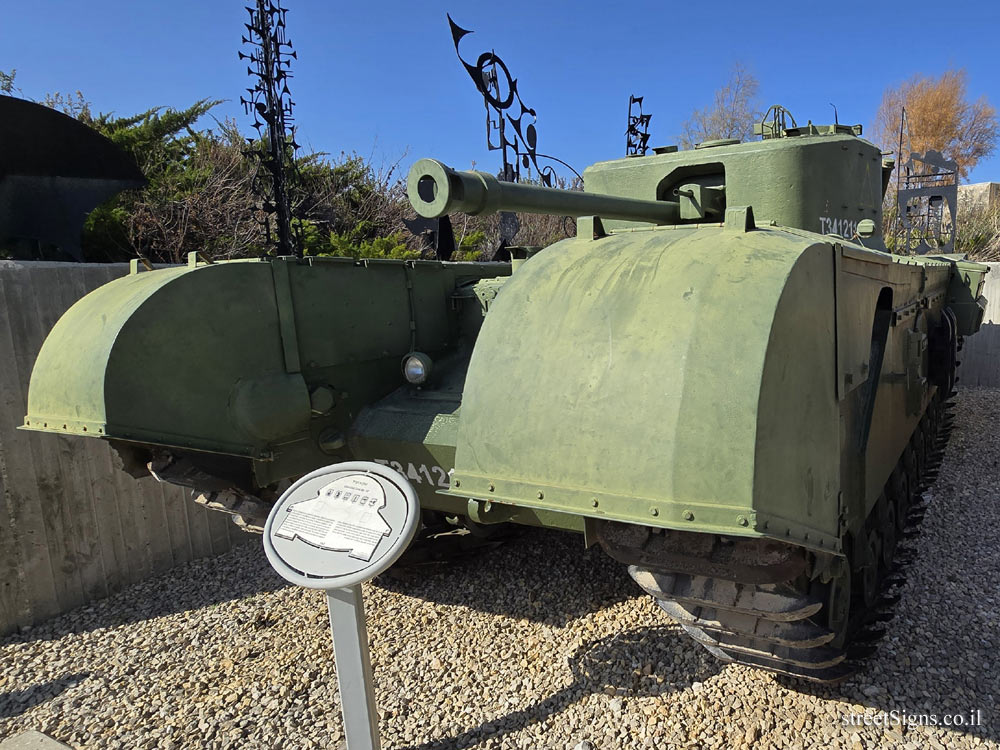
[803, 627]
[437, 541]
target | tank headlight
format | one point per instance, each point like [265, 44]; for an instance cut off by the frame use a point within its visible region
[416, 368]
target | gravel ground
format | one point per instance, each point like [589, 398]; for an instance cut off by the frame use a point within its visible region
[538, 644]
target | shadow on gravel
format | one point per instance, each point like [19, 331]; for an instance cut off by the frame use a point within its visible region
[947, 693]
[17, 702]
[949, 670]
[542, 576]
[595, 666]
[241, 572]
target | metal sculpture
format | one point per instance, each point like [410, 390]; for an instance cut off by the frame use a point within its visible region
[271, 103]
[499, 90]
[927, 197]
[637, 133]
[926, 187]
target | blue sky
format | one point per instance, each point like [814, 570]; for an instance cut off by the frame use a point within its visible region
[382, 78]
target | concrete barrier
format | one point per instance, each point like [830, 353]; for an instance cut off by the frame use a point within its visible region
[74, 528]
[980, 356]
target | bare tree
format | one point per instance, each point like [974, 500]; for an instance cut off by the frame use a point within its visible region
[208, 208]
[7, 82]
[74, 105]
[732, 114]
[939, 116]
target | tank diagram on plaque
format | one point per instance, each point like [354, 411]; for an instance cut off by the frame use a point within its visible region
[343, 517]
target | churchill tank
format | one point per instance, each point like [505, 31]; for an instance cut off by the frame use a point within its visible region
[724, 380]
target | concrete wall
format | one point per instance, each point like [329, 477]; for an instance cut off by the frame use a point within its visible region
[980, 357]
[74, 528]
[983, 196]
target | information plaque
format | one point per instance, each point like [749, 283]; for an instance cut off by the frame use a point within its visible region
[333, 530]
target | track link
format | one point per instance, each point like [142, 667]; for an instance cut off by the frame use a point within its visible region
[804, 628]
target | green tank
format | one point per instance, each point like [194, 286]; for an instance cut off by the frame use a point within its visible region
[723, 380]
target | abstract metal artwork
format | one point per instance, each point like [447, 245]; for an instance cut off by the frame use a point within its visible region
[637, 134]
[271, 103]
[499, 90]
[927, 197]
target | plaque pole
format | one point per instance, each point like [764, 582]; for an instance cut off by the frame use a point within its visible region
[354, 667]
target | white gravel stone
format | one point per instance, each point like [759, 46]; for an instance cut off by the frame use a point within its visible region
[538, 644]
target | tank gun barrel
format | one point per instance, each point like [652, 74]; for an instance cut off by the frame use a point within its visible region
[436, 190]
